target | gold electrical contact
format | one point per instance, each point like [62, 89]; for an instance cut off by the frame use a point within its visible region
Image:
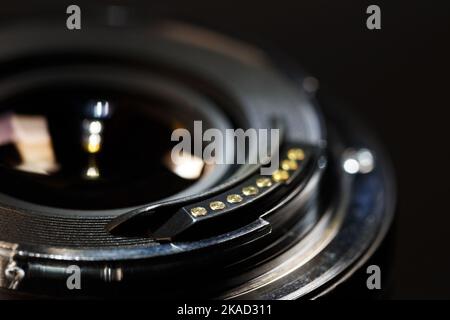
[289, 165]
[296, 154]
[199, 212]
[264, 182]
[280, 175]
[250, 191]
[234, 198]
[217, 205]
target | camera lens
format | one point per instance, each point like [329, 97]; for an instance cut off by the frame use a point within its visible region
[88, 176]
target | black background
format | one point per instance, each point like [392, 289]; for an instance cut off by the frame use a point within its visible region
[396, 79]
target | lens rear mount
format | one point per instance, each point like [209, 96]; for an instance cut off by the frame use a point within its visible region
[297, 236]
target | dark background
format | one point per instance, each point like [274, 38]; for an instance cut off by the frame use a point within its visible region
[396, 79]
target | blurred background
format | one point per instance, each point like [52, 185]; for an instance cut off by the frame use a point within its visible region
[396, 79]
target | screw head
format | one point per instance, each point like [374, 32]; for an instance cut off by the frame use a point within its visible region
[358, 161]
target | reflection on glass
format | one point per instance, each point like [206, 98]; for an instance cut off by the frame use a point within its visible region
[92, 135]
[60, 147]
[31, 138]
[185, 165]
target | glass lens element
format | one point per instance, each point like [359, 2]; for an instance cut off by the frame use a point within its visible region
[81, 148]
